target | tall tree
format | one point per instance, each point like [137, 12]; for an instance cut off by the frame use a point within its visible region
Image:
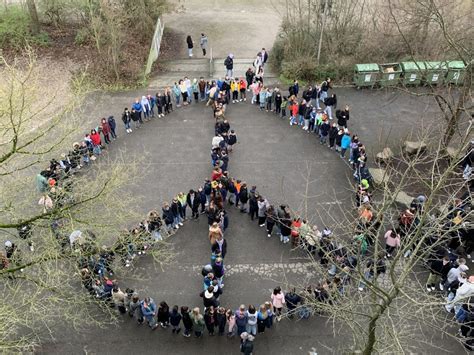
[35, 24]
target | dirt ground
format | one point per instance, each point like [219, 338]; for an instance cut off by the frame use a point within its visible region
[240, 27]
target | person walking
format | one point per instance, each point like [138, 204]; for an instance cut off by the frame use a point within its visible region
[203, 44]
[190, 44]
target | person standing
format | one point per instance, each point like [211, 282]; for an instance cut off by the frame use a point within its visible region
[264, 55]
[203, 43]
[175, 319]
[148, 308]
[251, 320]
[262, 205]
[198, 322]
[104, 125]
[112, 125]
[187, 321]
[325, 86]
[193, 201]
[190, 44]
[229, 65]
[127, 118]
[278, 299]
[392, 241]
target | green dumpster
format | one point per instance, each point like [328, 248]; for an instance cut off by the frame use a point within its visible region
[456, 71]
[366, 74]
[412, 72]
[435, 73]
[390, 74]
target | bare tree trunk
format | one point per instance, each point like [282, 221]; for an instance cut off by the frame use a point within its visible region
[35, 25]
[323, 23]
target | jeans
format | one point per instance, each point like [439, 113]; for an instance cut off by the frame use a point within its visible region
[328, 111]
[323, 95]
[254, 99]
[157, 236]
[293, 120]
[230, 73]
[190, 52]
[343, 152]
[203, 96]
[323, 139]
[306, 124]
[176, 221]
[189, 91]
[368, 277]
[300, 119]
[177, 99]
[252, 329]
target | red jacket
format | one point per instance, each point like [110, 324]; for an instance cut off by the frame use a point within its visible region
[105, 128]
[294, 109]
[95, 138]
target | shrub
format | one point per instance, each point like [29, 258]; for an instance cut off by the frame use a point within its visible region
[82, 36]
[14, 27]
[42, 39]
[300, 68]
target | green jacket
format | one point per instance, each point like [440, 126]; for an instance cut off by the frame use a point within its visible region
[198, 323]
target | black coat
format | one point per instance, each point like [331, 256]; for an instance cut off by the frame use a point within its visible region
[330, 101]
[229, 63]
[126, 117]
[187, 321]
[194, 205]
[189, 41]
[135, 116]
[168, 216]
[243, 195]
[342, 118]
[215, 248]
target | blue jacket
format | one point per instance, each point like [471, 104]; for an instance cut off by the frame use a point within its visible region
[150, 310]
[137, 106]
[346, 141]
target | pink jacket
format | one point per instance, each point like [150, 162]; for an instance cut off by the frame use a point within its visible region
[278, 300]
[390, 241]
[231, 323]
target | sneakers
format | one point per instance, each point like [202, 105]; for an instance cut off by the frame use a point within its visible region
[180, 223]
[441, 287]
[360, 289]
[262, 225]
[186, 335]
[269, 235]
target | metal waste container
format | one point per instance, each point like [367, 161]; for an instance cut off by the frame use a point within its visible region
[456, 72]
[435, 73]
[366, 74]
[412, 72]
[390, 74]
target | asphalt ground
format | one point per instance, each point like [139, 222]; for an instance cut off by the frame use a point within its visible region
[278, 159]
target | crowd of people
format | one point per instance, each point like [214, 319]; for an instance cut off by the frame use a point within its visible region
[312, 110]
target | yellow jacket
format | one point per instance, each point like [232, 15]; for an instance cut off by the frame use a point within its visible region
[234, 86]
